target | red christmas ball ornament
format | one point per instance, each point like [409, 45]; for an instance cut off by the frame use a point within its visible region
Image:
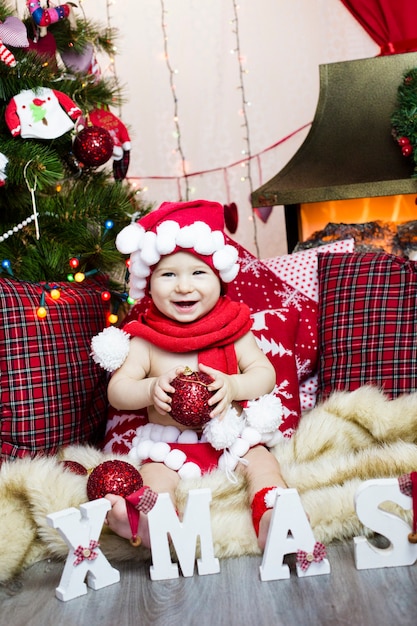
[75, 467]
[93, 146]
[403, 141]
[407, 150]
[117, 477]
[189, 402]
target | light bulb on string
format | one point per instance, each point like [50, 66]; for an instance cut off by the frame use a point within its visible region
[41, 311]
[74, 262]
[6, 265]
[112, 318]
[79, 277]
[105, 295]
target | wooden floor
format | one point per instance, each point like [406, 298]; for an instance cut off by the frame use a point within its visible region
[235, 596]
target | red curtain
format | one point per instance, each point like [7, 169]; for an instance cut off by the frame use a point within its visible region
[391, 23]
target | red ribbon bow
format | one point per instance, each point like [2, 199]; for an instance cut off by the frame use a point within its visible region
[89, 553]
[305, 559]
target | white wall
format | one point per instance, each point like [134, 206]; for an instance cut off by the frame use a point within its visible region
[282, 43]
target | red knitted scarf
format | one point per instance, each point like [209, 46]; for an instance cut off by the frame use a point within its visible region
[213, 336]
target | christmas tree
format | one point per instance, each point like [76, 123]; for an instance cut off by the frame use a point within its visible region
[63, 192]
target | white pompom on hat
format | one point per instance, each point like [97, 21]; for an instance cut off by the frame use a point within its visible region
[196, 227]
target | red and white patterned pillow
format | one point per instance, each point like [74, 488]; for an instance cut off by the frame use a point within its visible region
[285, 327]
[299, 269]
[367, 323]
[51, 392]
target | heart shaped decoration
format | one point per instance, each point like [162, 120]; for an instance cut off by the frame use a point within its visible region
[78, 61]
[13, 33]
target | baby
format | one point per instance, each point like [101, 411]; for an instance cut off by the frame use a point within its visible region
[180, 259]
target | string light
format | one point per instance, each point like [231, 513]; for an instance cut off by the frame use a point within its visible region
[6, 265]
[177, 132]
[105, 295]
[243, 112]
[55, 293]
[41, 311]
[112, 318]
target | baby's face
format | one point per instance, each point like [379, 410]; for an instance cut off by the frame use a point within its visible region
[183, 287]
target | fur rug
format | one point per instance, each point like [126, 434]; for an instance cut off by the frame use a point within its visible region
[350, 438]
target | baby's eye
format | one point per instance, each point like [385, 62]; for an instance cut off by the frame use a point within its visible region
[168, 274]
[198, 272]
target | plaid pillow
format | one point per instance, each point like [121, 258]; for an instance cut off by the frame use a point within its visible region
[51, 391]
[367, 323]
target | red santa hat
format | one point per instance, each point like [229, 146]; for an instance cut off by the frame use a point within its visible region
[196, 227]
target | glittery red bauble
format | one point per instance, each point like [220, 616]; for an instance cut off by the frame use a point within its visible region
[116, 477]
[189, 402]
[75, 467]
[93, 146]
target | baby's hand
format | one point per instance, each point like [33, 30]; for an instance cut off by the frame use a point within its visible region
[162, 388]
[223, 391]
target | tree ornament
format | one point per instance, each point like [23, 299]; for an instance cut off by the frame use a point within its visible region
[3, 165]
[104, 118]
[231, 217]
[41, 114]
[93, 146]
[12, 33]
[75, 467]
[46, 17]
[189, 402]
[117, 477]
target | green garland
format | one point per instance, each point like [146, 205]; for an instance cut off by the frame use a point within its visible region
[404, 118]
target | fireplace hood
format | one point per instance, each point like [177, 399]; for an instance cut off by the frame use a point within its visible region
[349, 151]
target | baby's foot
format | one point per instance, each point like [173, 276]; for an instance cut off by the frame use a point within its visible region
[117, 518]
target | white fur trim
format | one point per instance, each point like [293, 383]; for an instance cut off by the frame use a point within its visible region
[186, 236]
[189, 470]
[157, 431]
[137, 266]
[251, 435]
[143, 449]
[149, 253]
[159, 451]
[229, 275]
[110, 348]
[136, 292]
[175, 459]
[188, 436]
[240, 447]
[225, 258]
[170, 434]
[166, 239]
[130, 238]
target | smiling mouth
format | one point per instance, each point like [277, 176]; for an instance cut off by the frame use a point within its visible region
[185, 304]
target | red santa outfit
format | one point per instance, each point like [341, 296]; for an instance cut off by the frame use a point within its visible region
[197, 228]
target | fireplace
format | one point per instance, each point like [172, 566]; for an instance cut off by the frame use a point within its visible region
[349, 162]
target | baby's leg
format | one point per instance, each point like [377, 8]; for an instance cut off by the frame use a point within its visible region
[160, 479]
[262, 472]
